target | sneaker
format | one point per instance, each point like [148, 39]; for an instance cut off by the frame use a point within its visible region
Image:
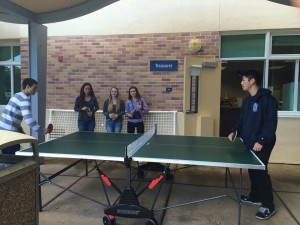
[246, 199]
[264, 213]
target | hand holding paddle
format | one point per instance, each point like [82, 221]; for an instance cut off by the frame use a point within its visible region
[50, 128]
[232, 136]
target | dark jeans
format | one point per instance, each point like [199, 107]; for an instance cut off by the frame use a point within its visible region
[139, 127]
[88, 125]
[11, 150]
[261, 184]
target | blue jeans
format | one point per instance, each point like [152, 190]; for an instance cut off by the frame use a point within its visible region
[114, 126]
[88, 125]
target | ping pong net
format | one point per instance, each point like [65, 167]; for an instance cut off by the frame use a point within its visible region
[133, 147]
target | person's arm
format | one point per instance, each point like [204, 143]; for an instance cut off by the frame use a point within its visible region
[25, 108]
[144, 108]
[77, 107]
[270, 122]
[105, 108]
[96, 105]
[129, 108]
[122, 109]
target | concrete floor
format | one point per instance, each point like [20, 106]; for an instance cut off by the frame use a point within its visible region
[190, 184]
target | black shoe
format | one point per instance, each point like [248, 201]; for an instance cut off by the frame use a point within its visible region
[264, 213]
[246, 199]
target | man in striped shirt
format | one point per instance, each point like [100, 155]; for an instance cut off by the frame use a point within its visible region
[17, 109]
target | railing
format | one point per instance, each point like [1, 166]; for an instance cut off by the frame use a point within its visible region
[65, 122]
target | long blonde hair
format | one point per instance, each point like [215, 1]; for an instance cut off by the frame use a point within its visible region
[110, 102]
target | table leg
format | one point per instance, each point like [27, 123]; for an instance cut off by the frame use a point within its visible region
[239, 196]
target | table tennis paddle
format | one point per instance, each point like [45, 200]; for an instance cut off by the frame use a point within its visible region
[50, 128]
[234, 136]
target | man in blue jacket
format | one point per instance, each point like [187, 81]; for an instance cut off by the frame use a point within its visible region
[256, 127]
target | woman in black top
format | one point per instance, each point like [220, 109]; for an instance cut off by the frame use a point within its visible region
[86, 104]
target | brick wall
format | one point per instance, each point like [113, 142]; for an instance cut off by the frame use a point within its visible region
[122, 61]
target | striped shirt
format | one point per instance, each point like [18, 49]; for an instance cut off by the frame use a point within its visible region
[17, 109]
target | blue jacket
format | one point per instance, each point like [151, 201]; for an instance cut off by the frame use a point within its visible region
[131, 105]
[258, 119]
[120, 112]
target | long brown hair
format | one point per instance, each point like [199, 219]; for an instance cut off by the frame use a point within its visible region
[138, 96]
[82, 94]
[110, 100]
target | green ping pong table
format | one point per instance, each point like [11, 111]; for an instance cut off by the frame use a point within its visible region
[163, 149]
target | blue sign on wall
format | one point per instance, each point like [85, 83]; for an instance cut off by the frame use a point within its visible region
[163, 65]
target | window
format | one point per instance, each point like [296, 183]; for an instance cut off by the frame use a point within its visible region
[286, 44]
[5, 53]
[10, 72]
[275, 55]
[231, 91]
[282, 83]
[252, 45]
[284, 74]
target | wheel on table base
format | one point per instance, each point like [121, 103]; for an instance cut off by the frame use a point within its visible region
[109, 220]
[140, 174]
[152, 222]
[169, 176]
